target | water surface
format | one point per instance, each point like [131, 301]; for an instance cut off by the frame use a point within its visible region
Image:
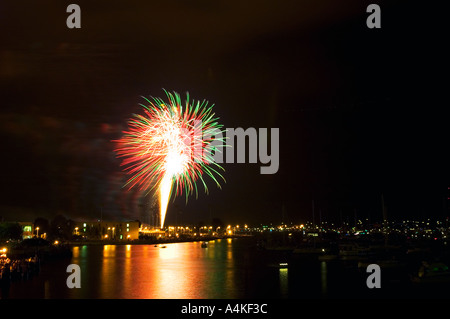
[226, 269]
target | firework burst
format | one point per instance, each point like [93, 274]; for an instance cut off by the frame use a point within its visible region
[171, 147]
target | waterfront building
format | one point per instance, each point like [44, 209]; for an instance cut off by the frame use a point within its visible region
[152, 232]
[107, 230]
[27, 229]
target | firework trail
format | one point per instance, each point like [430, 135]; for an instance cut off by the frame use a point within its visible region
[171, 147]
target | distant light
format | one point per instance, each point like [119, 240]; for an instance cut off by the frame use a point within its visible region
[106, 236]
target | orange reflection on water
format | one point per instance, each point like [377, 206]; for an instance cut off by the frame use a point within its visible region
[108, 272]
[177, 271]
[128, 273]
[76, 252]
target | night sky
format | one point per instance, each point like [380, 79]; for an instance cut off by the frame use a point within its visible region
[362, 112]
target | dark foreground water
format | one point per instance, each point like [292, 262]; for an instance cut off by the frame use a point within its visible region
[227, 268]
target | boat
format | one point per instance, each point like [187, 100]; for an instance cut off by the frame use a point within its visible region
[163, 246]
[204, 244]
[280, 248]
[383, 263]
[327, 257]
[433, 273]
[280, 265]
[308, 251]
[352, 251]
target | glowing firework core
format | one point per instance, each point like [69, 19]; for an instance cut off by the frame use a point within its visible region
[169, 147]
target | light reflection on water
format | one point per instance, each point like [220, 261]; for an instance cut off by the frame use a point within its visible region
[284, 282]
[181, 270]
[227, 268]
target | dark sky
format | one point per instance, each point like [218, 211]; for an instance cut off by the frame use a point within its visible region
[362, 112]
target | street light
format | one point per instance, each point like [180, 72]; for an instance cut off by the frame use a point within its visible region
[37, 232]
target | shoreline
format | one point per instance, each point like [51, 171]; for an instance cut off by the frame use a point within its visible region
[63, 249]
[148, 241]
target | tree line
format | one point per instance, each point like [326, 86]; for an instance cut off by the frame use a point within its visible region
[58, 228]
